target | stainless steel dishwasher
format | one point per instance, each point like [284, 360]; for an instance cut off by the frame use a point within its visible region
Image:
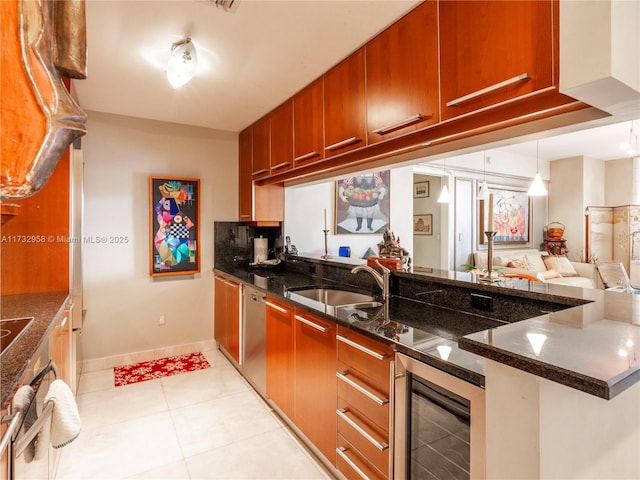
[254, 338]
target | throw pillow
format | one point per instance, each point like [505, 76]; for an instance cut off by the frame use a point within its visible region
[560, 264]
[549, 274]
[519, 263]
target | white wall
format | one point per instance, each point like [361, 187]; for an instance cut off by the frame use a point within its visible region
[304, 217]
[427, 247]
[123, 302]
[619, 182]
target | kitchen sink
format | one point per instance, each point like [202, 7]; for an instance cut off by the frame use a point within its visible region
[335, 297]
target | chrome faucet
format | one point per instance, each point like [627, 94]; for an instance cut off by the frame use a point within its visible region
[381, 280]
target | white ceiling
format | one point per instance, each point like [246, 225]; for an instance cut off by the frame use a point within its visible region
[250, 60]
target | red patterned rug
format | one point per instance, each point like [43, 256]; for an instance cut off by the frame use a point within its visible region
[163, 367]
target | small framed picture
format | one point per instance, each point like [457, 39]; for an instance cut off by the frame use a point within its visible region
[422, 224]
[421, 189]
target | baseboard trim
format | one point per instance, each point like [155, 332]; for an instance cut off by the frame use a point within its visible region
[94, 364]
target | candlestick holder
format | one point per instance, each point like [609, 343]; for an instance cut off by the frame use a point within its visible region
[488, 276]
[326, 255]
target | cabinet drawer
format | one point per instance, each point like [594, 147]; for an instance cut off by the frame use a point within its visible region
[353, 391]
[368, 438]
[366, 356]
[353, 465]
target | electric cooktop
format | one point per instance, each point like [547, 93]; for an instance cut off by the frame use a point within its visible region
[11, 329]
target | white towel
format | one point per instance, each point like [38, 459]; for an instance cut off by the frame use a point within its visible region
[65, 419]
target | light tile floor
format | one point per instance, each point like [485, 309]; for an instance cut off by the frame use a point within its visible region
[208, 424]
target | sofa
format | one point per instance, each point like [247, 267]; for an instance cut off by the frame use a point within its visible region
[538, 265]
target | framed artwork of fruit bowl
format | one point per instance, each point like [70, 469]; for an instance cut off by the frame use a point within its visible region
[174, 226]
[362, 203]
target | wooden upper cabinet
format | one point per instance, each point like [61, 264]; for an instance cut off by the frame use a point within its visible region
[261, 148]
[308, 124]
[402, 75]
[245, 170]
[344, 106]
[492, 52]
[281, 120]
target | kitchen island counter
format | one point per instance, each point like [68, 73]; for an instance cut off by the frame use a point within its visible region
[583, 331]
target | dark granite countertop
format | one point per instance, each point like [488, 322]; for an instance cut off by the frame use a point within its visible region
[590, 344]
[424, 331]
[45, 308]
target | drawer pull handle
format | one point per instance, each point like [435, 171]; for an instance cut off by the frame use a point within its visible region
[342, 143]
[342, 413]
[400, 123]
[489, 89]
[306, 156]
[341, 451]
[63, 323]
[343, 376]
[258, 172]
[368, 351]
[277, 307]
[280, 165]
[312, 324]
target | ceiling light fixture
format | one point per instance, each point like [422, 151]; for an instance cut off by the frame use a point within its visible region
[537, 188]
[483, 191]
[444, 193]
[183, 63]
[631, 147]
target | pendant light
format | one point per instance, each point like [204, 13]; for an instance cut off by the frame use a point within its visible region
[183, 63]
[444, 193]
[537, 188]
[483, 191]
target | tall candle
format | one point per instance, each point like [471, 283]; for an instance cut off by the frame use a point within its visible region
[325, 218]
[490, 226]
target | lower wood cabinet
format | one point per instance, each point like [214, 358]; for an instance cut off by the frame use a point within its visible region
[315, 381]
[227, 315]
[280, 355]
[364, 387]
[61, 347]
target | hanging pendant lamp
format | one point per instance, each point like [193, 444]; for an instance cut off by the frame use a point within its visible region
[444, 193]
[537, 188]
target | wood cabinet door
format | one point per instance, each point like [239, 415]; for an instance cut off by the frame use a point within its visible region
[261, 148]
[315, 385]
[402, 75]
[344, 106]
[219, 311]
[280, 355]
[227, 315]
[232, 293]
[282, 138]
[308, 124]
[494, 51]
[245, 170]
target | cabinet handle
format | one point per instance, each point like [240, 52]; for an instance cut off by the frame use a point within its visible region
[400, 123]
[312, 324]
[368, 351]
[306, 156]
[280, 165]
[64, 322]
[226, 282]
[277, 307]
[11, 430]
[491, 88]
[245, 216]
[342, 413]
[258, 172]
[343, 143]
[341, 451]
[380, 401]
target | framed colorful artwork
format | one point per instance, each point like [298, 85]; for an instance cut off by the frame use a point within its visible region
[423, 224]
[362, 203]
[174, 226]
[511, 216]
